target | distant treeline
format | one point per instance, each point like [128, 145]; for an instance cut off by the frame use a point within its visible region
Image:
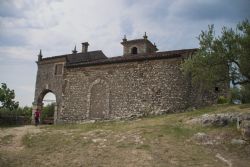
[19, 116]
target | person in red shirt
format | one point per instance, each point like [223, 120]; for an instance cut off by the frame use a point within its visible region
[37, 117]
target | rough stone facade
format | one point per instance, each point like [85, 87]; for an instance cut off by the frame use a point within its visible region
[92, 86]
[47, 81]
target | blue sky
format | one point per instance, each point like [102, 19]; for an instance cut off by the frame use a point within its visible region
[55, 26]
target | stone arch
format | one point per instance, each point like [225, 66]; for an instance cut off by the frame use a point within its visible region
[98, 100]
[38, 103]
[134, 50]
[42, 94]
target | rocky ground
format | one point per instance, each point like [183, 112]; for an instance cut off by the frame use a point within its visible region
[207, 137]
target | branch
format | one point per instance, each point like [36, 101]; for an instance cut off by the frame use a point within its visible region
[240, 82]
[237, 63]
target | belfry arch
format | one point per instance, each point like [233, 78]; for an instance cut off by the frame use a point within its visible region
[134, 51]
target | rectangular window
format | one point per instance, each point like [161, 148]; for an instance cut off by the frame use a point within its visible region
[58, 69]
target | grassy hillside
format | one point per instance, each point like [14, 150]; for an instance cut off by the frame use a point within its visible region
[167, 140]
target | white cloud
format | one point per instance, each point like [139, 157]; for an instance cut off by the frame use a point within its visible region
[22, 53]
[27, 88]
[55, 26]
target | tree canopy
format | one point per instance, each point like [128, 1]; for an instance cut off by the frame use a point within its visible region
[7, 97]
[220, 59]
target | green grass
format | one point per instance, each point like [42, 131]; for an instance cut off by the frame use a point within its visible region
[177, 131]
[243, 106]
[108, 125]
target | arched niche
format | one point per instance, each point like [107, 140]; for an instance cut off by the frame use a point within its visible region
[98, 100]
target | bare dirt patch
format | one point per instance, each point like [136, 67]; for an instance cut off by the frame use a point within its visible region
[14, 141]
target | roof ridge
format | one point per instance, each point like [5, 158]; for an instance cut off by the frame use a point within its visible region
[138, 57]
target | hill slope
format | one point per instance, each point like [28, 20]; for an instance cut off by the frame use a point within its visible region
[168, 140]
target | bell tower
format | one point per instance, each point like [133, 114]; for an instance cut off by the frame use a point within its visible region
[138, 46]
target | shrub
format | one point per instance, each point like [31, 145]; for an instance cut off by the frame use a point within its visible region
[48, 111]
[235, 95]
[19, 116]
[245, 93]
[222, 100]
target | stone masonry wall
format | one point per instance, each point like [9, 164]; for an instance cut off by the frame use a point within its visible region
[124, 90]
[140, 46]
[48, 81]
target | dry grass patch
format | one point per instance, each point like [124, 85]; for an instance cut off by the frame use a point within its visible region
[154, 141]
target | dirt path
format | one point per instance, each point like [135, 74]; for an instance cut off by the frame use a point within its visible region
[11, 138]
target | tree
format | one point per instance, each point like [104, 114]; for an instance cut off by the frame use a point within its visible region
[7, 97]
[245, 93]
[221, 59]
[48, 111]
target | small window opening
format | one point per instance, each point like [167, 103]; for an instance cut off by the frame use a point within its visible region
[134, 50]
[58, 69]
[216, 89]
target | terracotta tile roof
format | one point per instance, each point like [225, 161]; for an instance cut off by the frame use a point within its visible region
[139, 57]
[53, 57]
[80, 57]
[85, 57]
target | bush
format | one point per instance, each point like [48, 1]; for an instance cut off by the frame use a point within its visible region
[21, 111]
[235, 95]
[222, 100]
[19, 116]
[245, 93]
[48, 111]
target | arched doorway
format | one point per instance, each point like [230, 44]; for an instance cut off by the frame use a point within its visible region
[48, 106]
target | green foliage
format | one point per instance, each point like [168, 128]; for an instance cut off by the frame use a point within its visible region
[20, 111]
[21, 115]
[10, 112]
[25, 111]
[242, 94]
[221, 59]
[222, 100]
[7, 97]
[235, 94]
[245, 93]
[48, 111]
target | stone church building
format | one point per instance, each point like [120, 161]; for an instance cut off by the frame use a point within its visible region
[90, 86]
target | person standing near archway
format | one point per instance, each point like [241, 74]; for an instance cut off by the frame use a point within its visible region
[37, 117]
